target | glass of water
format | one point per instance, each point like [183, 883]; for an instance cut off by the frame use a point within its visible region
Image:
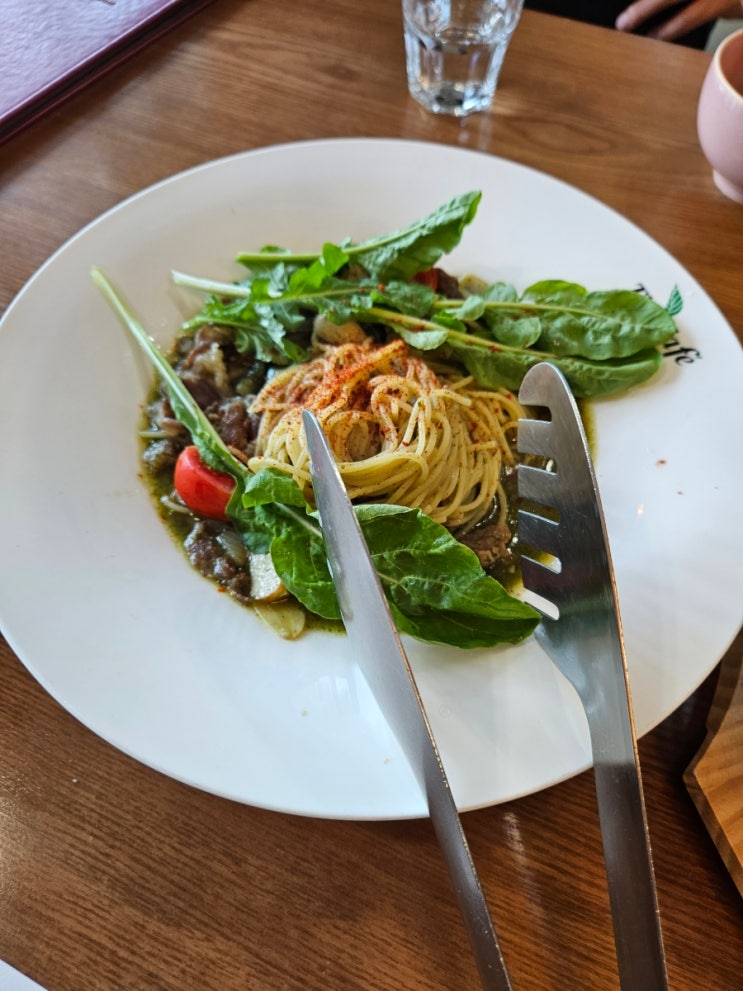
[455, 49]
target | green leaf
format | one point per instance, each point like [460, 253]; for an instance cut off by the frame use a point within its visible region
[597, 325]
[602, 340]
[266, 504]
[675, 303]
[300, 561]
[436, 587]
[271, 485]
[398, 255]
[498, 366]
[404, 253]
[410, 298]
[210, 445]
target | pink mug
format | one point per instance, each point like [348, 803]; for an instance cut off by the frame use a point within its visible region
[720, 116]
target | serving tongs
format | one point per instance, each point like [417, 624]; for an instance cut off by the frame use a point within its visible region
[575, 578]
[384, 664]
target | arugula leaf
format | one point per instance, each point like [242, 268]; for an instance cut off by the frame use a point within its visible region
[604, 341]
[398, 255]
[597, 325]
[263, 310]
[563, 318]
[496, 365]
[261, 313]
[403, 254]
[210, 445]
[510, 334]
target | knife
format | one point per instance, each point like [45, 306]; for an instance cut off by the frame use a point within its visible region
[385, 666]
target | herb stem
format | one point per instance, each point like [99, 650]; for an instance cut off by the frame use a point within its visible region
[299, 517]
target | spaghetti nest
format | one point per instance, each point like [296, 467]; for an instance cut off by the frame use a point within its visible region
[400, 432]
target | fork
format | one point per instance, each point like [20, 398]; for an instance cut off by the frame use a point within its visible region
[581, 632]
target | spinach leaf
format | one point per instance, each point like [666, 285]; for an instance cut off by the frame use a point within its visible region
[436, 587]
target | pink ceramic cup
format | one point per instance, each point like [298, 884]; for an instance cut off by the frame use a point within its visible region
[720, 116]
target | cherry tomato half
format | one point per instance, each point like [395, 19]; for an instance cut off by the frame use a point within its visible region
[203, 489]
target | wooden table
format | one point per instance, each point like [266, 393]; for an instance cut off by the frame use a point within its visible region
[115, 877]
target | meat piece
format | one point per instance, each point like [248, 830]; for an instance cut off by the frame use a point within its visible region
[202, 341]
[239, 587]
[490, 542]
[247, 374]
[224, 570]
[448, 285]
[202, 389]
[205, 375]
[232, 421]
[160, 417]
[207, 554]
[212, 369]
[202, 548]
[161, 454]
[209, 557]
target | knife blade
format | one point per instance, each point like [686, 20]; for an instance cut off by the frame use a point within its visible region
[386, 669]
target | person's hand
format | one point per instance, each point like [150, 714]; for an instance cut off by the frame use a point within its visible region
[690, 16]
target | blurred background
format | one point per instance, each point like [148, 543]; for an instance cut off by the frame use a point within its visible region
[721, 30]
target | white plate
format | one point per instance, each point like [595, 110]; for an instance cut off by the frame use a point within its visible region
[104, 610]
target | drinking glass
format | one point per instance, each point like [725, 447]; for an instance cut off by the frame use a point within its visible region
[454, 51]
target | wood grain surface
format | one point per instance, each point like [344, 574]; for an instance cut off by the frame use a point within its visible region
[115, 877]
[715, 776]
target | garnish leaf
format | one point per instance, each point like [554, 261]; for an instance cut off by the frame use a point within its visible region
[604, 341]
[397, 255]
[436, 587]
[403, 254]
[210, 445]
[496, 365]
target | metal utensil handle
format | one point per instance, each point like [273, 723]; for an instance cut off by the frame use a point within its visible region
[624, 834]
[387, 671]
[587, 646]
[637, 935]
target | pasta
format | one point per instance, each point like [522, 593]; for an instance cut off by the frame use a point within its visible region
[401, 432]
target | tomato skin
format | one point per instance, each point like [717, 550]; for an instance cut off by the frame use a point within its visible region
[203, 489]
[429, 277]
